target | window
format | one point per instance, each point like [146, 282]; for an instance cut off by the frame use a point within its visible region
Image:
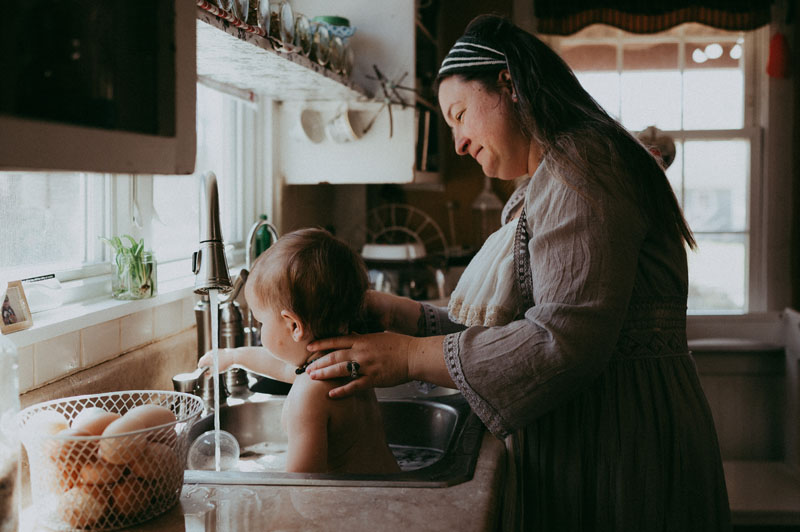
[696, 84]
[51, 222]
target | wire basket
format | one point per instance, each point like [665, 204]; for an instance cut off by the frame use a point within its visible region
[78, 483]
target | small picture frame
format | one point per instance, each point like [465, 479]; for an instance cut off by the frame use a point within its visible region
[16, 313]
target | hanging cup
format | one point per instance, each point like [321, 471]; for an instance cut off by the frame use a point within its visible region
[345, 126]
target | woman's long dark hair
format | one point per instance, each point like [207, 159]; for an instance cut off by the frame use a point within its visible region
[576, 134]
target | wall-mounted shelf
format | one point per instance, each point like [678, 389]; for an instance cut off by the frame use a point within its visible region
[232, 56]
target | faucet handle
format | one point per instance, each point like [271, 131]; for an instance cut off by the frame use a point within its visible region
[188, 382]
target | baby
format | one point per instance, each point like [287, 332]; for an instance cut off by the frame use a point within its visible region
[310, 285]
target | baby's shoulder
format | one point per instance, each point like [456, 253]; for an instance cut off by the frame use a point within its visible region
[309, 393]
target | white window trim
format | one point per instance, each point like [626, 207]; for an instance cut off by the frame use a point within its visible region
[86, 290]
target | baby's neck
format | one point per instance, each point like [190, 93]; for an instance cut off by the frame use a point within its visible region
[312, 356]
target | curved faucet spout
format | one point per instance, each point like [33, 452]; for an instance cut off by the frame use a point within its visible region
[209, 263]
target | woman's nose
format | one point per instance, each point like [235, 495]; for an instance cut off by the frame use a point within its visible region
[462, 145]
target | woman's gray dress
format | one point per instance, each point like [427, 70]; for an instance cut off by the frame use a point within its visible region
[594, 387]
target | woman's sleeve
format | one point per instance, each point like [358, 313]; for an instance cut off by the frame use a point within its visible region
[437, 322]
[584, 250]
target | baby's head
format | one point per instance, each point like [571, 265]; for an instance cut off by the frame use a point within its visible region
[312, 277]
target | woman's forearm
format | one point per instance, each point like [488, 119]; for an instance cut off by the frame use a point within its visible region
[408, 316]
[426, 361]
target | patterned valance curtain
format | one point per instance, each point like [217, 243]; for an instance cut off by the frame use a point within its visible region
[563, 17]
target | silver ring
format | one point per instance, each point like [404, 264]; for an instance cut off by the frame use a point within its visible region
[353, 367]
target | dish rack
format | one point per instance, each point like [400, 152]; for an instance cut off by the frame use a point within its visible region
[74, 489]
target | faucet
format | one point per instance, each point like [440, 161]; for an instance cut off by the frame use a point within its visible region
[237, 326]
[198, 383]
[210, 267]
[209, 263]
[252, 332]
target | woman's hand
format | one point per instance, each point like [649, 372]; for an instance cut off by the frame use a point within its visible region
[378, 311]
[226, 356]
[388, 312]
[384, 359]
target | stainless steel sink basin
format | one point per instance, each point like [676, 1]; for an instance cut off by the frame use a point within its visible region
[435, 440]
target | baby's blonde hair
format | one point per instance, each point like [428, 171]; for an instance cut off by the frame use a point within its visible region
[315, 275]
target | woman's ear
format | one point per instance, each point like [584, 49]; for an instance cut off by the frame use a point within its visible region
[293, 325]
[505, 83]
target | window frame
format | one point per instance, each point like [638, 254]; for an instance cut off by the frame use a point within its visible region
[115, 203]
[755, 129]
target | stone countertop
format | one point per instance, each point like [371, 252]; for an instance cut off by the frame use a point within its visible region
[471, 506]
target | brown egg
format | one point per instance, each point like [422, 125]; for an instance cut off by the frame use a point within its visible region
[82, 507]
[65, 477]
[101, 472]
[131, 497]
[117, 448]
[94, 420]
[66, 449]
[66, 458]
[156, 461]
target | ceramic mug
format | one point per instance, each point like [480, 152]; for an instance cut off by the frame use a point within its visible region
[344, 127]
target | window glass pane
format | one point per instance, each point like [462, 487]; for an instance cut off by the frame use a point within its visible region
[650, 56]
[604, 87]
[176, 200]
[43, 220]
[651, 98]
[717, 273]
[216, 152]
[713, 85]
[651, 86]
[590, 57]
[595, 66]
[716, 184]
[713, 99]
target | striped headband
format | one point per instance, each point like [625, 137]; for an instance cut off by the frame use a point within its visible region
[466, 54]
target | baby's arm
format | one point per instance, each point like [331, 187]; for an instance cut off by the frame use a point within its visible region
[256, 359]
[306, 419]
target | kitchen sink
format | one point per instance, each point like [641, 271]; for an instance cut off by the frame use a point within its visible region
[436, 441]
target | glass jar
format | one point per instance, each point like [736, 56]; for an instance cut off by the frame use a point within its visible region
[134, 277]
[9, 434]
[320, 43]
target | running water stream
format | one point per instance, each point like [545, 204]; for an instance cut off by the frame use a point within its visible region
[214, 309]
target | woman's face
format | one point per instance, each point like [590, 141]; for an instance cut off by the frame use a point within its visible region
[484, 127]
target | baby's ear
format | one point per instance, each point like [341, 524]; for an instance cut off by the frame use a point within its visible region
[294, 325]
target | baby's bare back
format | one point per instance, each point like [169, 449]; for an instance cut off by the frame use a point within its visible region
[356, 440]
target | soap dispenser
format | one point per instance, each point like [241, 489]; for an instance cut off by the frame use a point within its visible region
[9, 434]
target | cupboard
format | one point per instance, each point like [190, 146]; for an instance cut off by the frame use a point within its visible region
[191, 44]
[85, 91]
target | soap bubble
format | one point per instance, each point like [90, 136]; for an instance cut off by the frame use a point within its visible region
[202, 452]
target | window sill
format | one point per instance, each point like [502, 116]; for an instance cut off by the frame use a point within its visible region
[766, 327]
[73, 317]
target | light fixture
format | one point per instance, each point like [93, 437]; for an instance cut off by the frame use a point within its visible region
[698, 56]
[713, 51]
[736, 51]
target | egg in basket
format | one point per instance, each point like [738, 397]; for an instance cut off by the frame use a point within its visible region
[107, 461]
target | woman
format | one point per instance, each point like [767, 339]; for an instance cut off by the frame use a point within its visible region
[575, 347]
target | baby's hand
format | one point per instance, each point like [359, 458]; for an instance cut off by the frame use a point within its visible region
[226, 359]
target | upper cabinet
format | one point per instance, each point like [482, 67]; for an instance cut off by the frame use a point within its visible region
[111, 87]
[99, 86]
